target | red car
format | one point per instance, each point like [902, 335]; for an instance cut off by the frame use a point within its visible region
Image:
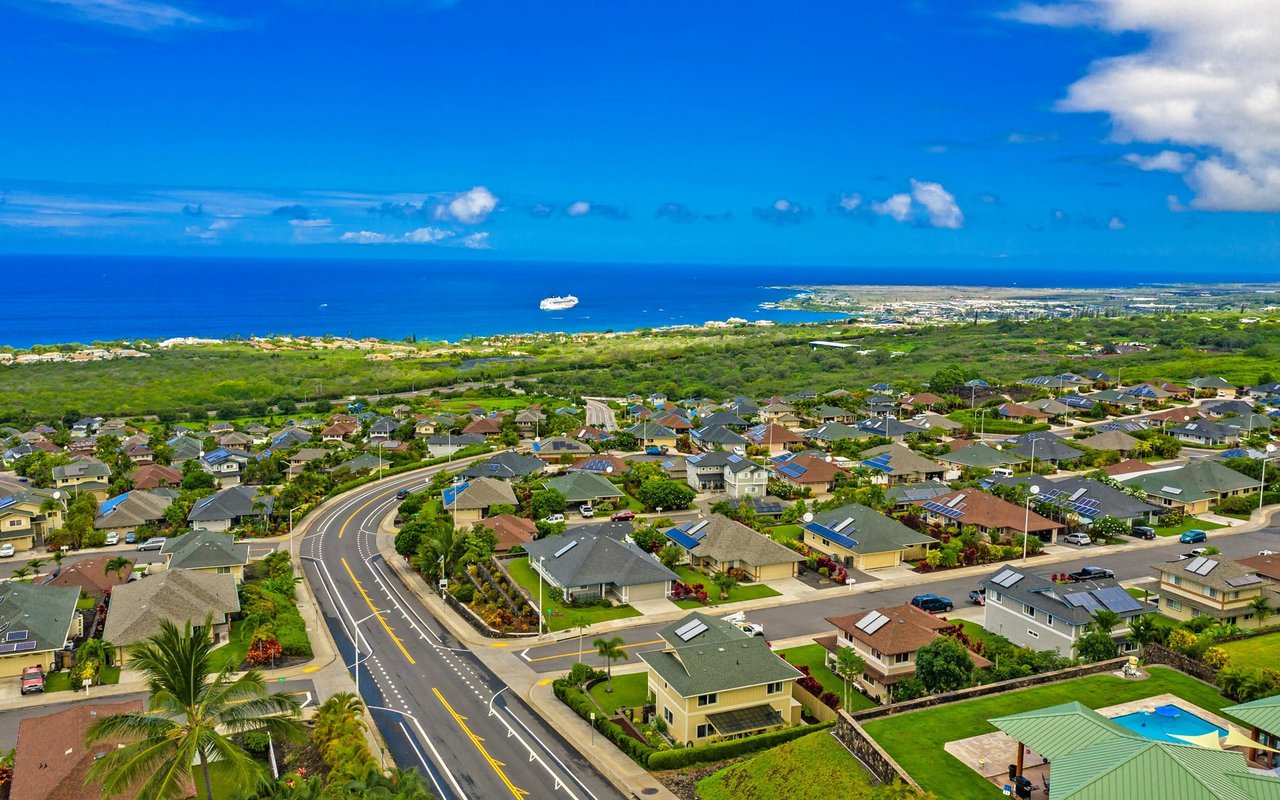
[32, 680]
[623, 515]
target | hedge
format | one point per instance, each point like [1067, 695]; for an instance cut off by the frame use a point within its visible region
[581, 704]
[719, 751]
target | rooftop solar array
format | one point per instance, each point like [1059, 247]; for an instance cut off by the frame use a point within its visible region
[691, 538]
[15, 636]
[871, 623]
[566, 548]
[844, 524]
[1007, 578]
[1244, 580]
[1075, 401]
[1201, 565]
[1084, 600]
[1076, 501]
[17, 647]
[1117, 600]
[949, 511]
[793, 470]
[691, 629]
[767, 507]
[880, 462]
[5, 502]
[841, 537]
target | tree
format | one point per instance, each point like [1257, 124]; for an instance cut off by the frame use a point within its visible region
[665, 493]
[91, 657]
[192, 712]
[36, 564]
[22, 573]
[944, 665]
[1104, 620]
[1143, 630]
[725, 583]
[848, 664]
[610, 650]
[546, 502]
[1261, 608]
[196, 479]
[481, 543]
[671, 556]
[117, 564]
[1096, 645]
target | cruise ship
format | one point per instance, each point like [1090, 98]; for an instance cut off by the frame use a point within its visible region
[558, 303]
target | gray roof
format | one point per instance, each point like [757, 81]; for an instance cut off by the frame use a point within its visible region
[202, 549]
[1110, 502]
[726, 419]
[718, 659]
[903, 460]
[1219, 575]
[82, 469]
[718, 434]
[890, 427]
[506, 465]
[44, 612]
[457, 439]
[180, 596]
[872, 531]
[132, 509]
[834, 431]
[980, 455]
[911, 492]
[725, 539]
[361, 462]
[1110, 440]
[482, 493]
[1071, 602]
[1048, 447]
[1197, 480]
[589, 559]
[231, 504]
[1203, 429]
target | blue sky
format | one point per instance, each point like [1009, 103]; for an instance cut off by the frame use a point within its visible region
[1115, 132]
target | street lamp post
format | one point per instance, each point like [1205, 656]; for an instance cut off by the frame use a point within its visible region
[540, 582]
[1262, 486]
[982, 420]
[1026, 519]
[355, 629]
[380, 444]
[295, 508]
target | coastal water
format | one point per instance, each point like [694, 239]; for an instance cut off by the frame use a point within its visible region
[54, 299]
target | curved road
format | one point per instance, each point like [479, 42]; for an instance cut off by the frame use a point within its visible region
[439, 709]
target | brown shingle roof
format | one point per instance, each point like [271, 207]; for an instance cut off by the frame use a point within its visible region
[511, 530]
[1266, 566]
[90, 577]
[1127, 467]
[907, 630]
[989, 511]
[817, 469]
[153, 476]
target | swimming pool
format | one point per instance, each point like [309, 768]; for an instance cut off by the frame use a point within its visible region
[1165, 722]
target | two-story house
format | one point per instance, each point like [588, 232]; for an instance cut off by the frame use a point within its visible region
[773, 437]
[1213, 586]
[1032, 611]
[863, 538]
[88, 475]
[886, 639]
[745, 479]
[711, 681]
[226, 466]
[27, 515]
[1194, 487]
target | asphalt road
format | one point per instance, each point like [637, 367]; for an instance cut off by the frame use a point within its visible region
[601, 416]
[9, 718]
[439, 709]
[808, 619]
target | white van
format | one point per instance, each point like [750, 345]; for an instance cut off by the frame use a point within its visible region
[1003, 472]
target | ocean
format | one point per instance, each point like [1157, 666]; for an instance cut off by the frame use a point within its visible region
[58, 299]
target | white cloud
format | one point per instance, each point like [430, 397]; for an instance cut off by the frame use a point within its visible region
[136, 14]
[427, 235]
[898, 206]
[366, 237]
[850, 202]
[1175, 204]
[1206, 79]
[469, 207]
[1116, 224]
[476, 241]
[1164, 161]
[939, 204]
[579, 209]
[220, 225]
[310, 223]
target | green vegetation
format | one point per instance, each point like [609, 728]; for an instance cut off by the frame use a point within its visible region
[814, 656]
[786, 533]
[561, 617]
[738, 593]
[788, 772]
[1254, 653]
[232, 653]
[916, 740]
[1186, 525]
[977, 633]
[629, 691]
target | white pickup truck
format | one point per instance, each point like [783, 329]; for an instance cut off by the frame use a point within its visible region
[739, 619]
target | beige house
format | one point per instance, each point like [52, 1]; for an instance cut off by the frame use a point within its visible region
[36, 620]
[719, 544]
[1213, 586]
[863, 538]
[88, 475]
[180, 596]
[887, 640]
[27, 515]
[470, 501]
[213, 552]
[713, 682]
[651, 434]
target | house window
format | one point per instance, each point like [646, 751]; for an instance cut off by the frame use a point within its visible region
[13, 523]
[1032, 634]
[1029, 611]
[1209, 591]
[668, 716]
[1176, 580]
[1195, 612]
[1230, 620]
[902, 658]
[993, 597]
[705, 730]
[1173, 605]
[707, 699]
[773, 688]
[224, 570]
[1048, 620]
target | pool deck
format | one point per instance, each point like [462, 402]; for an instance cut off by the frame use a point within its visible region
[990, 754]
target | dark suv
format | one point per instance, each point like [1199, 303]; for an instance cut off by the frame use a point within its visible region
[1143, 532]
[932, 603]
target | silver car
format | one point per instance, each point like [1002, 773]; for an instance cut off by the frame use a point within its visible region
[154, 543]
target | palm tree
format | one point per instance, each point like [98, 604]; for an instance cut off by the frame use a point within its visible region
[94, 651]
[1104, 620]
[36, 563]
[1261, 608]
[191, 714]
[58, 555]
[117, 564]
[610, 650]
[725, 583]
[22, 573]
[1143, 630]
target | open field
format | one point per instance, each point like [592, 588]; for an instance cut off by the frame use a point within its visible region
[788, 772]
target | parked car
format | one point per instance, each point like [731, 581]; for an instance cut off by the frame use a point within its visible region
[1194, 535]
[739, 620]
[6, 551]
[130, 537]
[586, 511]
[621, 516]
[1266, 552]
[932, 603]
[1143, 532]
[978, 597]
[1091, 573]
[1079, 538]
[32, 680]
[154, 543]
[553, 518]
[112, 538]
[655, 450]
[402, 494]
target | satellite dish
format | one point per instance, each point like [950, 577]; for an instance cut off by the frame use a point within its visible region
[57, 495]
[808, 516]
[609, 469]
[829, 459]
[1034, 489]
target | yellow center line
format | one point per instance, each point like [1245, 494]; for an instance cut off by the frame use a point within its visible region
[589, 651]
[353, 514]
[497, 765]
[377, 613]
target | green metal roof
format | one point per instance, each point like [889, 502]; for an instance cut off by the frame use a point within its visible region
[44, 612]
[1134, 767]
[1058, 731]
[578, 487]
[1264, 713]
[718, 659]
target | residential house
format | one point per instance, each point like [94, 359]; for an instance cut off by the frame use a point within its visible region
[705, 472]
[512, 531]
[937, 422]
[132, 510]
[811, 471]
[1056, 407]
[90, 577]
[1119, 441]
[449, 445]
[179, 596]
[894, 464]
[554, 448]
[1204, 433]
[1130, 466]
[1263, 718]
[771, 412]
[651, 434]
[773, 437]
[226, 466]
[744, 478]
[383, 428]
[864, 539]
[1194, 487]
[889, 428]
[588, 566]
[36, 620]
[923, 400]
[530, 419]
[1216, 409]
[1032, 611]
[1213, 586]
[29, 514]
[719, 544]
[1017, 411]
[886, 639]
[139, 454]
[826, 415]
[1084, 500]
[1042, 447]
[485, 426]
[365, 462]
[713, 681]
[206, 551]
[505, 466]
[905, 494]
[979, 456]
[589, 433]
[1266, 566]
[89, 475]
[235, 440]
[339, 431]
[724, 419]
[833, 432]
[988, 513]
[299, 460]
[231, 507]
[290, 437]
[603, 464]
[184, 447]
[583, 488]
[471, 500]
[717, 437]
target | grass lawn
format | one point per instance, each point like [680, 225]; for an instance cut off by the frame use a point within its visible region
[743, 591]
[61, 681]
[85, 604]
[560, 616]
[1187, 524]
[808, 768]
[915, 740]
[976, 632]
[1260, 651]
[629, 691]
[814, 657]
[225, 783]
[232, 653]
[786, 533]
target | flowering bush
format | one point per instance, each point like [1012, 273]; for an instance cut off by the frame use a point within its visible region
[689, 591]
[264, 652]
[830, 700]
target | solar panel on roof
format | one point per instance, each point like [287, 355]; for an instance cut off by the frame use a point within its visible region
[793, 470]
[1117, 599]
[15, 636]
[1077, 494]
[953, 502]
[8, 648]
[1195, 563]
[1084, 600]
[566, 548]
[5, 502]
[693, 531]
[876, 625]
[1244, 580]
[21, 647]
[691, 630]
[1206, 567]
[843, 524]
[870, 619]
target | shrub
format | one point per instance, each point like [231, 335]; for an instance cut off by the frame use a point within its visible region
[256, 742]
[1215, 657]
[719, 751]
[578, 701]
[1182, 640]
[463, 592]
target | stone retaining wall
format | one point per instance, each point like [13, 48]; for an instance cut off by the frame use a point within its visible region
[879, 763]
[1159, 654]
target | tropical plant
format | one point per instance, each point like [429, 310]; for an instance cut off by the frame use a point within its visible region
[1143, 630]
[944, 665]
[671, 556]
[1096, 645]
[22, 573]
[1261, 608]
[610, 650]
[848, 664]
[725, 583]
[36, 564]
[1104, 621]
[192, 712]
[117, 564]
